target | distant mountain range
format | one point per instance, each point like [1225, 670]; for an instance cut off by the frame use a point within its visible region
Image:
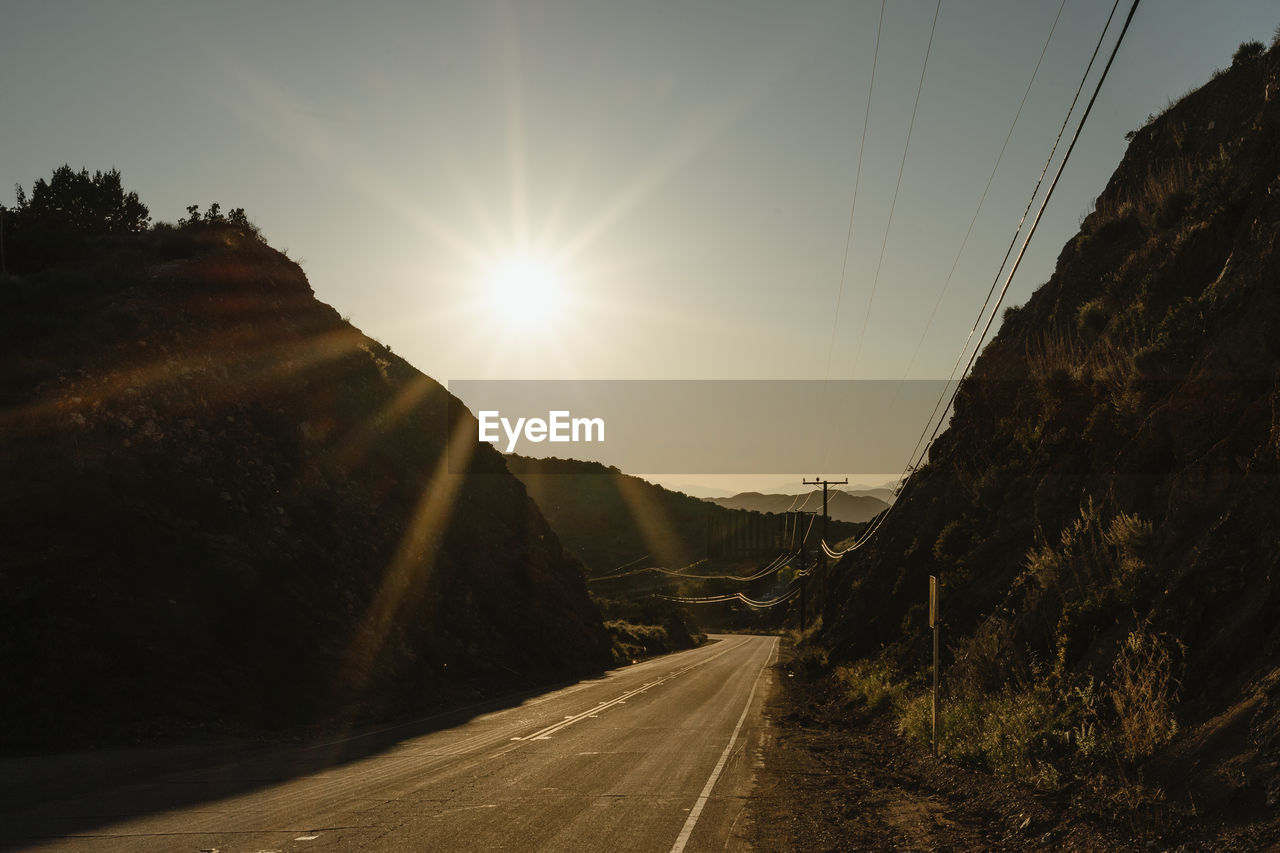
[855, 507]
[695, 491]
[883, 492]
[799, 487]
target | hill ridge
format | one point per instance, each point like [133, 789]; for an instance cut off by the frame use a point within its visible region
[225, 508]
[1101, 504]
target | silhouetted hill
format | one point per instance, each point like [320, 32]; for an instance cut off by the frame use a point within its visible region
[704, 492]
[841, 505]
[884, 495]
[1103, 508]
[224, 507]
[608, 519]
[883, 492]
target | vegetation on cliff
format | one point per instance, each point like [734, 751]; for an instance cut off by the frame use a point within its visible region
[1102, 510]
[225, 508]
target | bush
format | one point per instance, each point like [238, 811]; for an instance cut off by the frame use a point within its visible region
[1248, 51]
[1092, 316]
[1144, 690]
[1132, 538]
[995, 729]
[635, 642]
[872, 685]
[214, 218]
[812, 660]
[952, 542]
[682, 631]
[984, 661]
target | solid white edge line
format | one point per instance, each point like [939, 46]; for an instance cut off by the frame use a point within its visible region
[696, 811]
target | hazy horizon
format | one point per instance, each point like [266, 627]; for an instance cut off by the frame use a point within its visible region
[735, 484]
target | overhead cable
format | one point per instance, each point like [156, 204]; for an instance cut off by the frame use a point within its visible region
[918, 455]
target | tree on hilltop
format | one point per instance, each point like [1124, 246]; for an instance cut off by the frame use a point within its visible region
[51, 226]
[94, 204]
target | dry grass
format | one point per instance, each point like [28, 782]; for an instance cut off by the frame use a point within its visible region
[1131, 537]
[874, 685]
[1007, 711]
[1149, 201]
[1144, 690]
[1056, 357]
[996, 731]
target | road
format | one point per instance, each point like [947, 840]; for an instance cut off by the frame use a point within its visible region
[657, 756]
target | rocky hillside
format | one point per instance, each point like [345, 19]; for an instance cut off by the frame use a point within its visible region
[1103, 508]
[223, 507]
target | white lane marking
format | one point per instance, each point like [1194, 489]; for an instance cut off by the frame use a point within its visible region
[534, 698]
[692, 820]
[465, 809]
[545, 733]
[468, 751]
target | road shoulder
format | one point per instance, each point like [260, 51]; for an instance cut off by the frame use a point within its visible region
[835, 779]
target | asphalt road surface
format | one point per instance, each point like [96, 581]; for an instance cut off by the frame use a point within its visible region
[657, 756]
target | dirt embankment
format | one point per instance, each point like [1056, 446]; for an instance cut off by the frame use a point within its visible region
[838, 779]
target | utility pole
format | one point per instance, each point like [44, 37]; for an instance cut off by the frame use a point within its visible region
[803, 562]
[802, 579]
[825, 517]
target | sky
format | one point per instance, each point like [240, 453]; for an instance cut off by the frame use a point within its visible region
[591, 189]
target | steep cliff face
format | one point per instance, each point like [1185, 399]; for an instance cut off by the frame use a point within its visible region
[1109, 477]
[223, 506]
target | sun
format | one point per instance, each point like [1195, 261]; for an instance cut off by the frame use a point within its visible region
[526, 292]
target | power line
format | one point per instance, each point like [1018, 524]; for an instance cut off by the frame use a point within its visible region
[990, 178]
[1044, 203]
[894, 203]
[773, 602]
[786, 596]
[1017, 231]
[628, 565]
[857, 181]
[913, 464]
[772, 567]
[917, 455]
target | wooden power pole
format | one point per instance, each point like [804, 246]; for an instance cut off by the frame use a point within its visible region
[825, 518]
[800, 514]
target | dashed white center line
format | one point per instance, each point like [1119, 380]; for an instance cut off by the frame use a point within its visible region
[591, 713]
